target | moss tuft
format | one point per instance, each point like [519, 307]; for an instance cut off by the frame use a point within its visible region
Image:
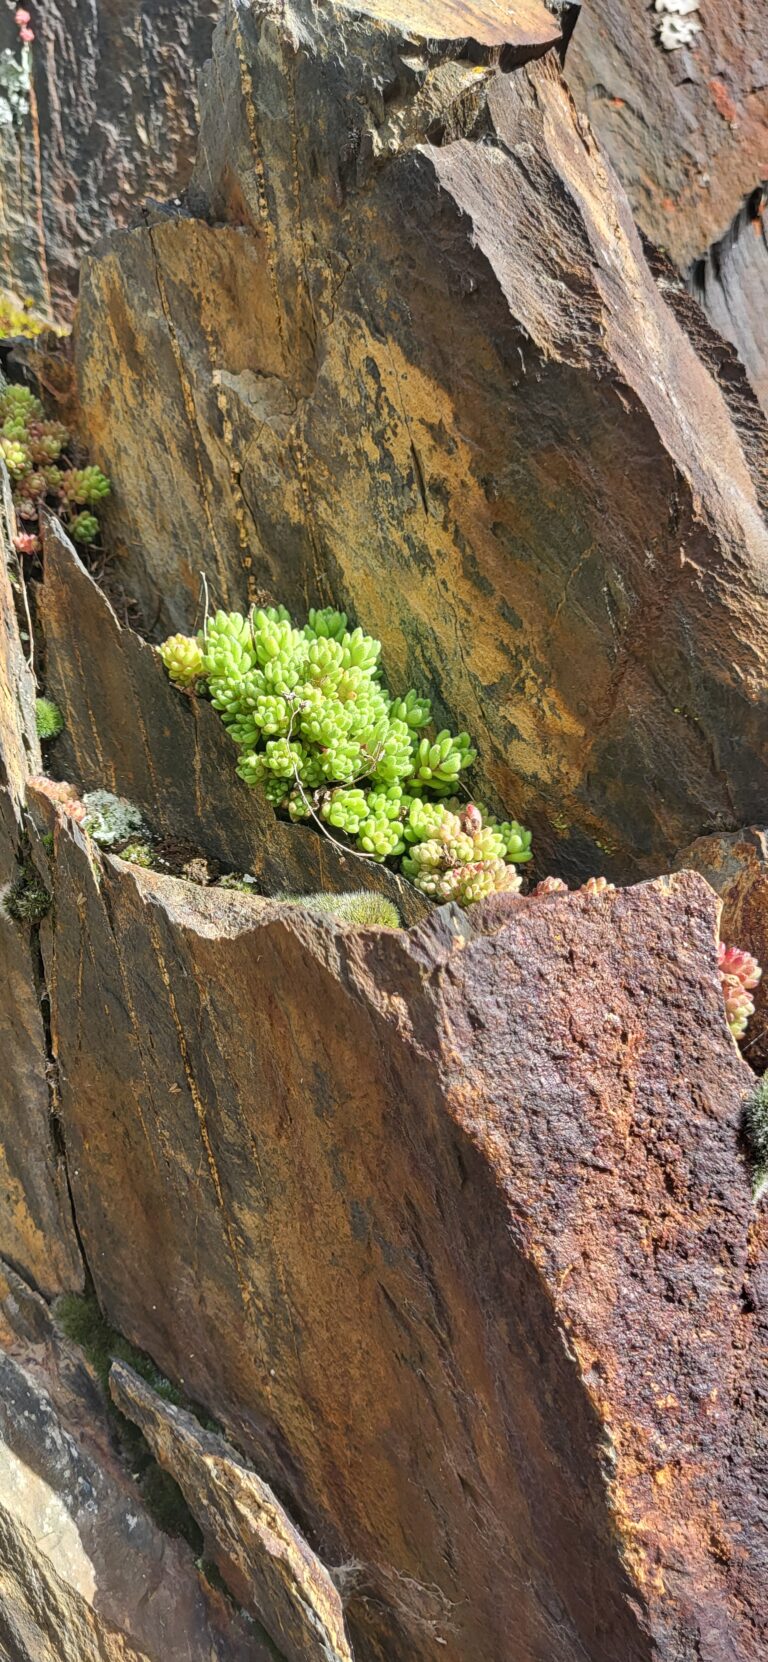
[49, 718]
[359, 910]
[27, 900]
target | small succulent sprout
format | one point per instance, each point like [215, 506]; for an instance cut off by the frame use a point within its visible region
[183, 659]
[362, 909]
[756, 1136]
[16, 457]
[597, 885]
[111, 819]
[84, 528]
[27, 900]
[25, 542]
[49, 718]
[138, 854]
[739, 975]
[18, 402]
[550, 885]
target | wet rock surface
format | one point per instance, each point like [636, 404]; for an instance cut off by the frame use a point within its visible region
[389, 366]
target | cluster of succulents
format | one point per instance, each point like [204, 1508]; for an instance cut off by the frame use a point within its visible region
[739, 975]
[555, 885]
[34, 452]
[318, 732]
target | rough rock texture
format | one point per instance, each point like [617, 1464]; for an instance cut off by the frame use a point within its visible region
[259, 1551]
[736, 866]
[129, 730]
[731, 282]
[687, 131]
[36, 1232]
[497, 1364]
[409, 355]
[112, 120]
[85, 1575]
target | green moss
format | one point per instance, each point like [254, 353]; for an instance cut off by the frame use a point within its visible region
[360, 910]
[49, 718]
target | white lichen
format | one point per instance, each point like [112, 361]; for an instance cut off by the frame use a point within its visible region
[110, 819]
[678, 24]
[15, 80]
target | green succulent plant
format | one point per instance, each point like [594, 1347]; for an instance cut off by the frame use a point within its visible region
[34, 451]
[317, 730]
[138, 854]
[49, 718]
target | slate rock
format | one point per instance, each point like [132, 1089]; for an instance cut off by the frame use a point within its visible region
[406, 353]
[260, 1552]
[450, 1234]
[112, 119]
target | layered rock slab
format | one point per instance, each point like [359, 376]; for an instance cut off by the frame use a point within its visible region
[258, 1548]
[494, 1362]
[687, 131]
[399, 358]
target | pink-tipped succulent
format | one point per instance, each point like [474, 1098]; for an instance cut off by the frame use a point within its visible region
[739, 975]
[25, 542]
[23, 20]
[597, 885]
[550, 885]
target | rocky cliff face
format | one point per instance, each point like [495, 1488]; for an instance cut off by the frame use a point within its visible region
[407, 349]
[110, 119]
[448, 1228]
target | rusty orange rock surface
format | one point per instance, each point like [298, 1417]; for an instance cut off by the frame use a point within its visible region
[449, 1230]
